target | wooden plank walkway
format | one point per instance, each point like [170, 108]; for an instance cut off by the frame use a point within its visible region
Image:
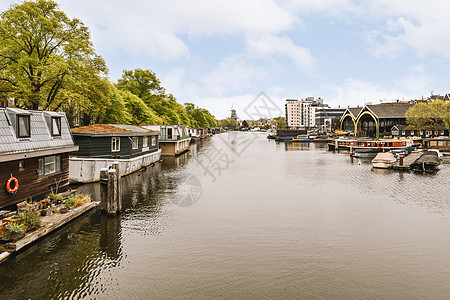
[49, 224]
[408, 161]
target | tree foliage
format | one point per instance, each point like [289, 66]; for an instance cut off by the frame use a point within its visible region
[47, 60]
[200, 117]
[429, 115]
[145, 85]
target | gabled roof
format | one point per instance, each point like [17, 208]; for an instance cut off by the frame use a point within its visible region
[355, 111]
[108, 129]
[389, 110]
[40, 137]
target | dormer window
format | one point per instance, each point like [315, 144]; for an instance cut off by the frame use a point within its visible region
[23, 126]
[56, 126]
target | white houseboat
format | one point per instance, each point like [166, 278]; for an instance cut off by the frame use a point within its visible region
[173, 139]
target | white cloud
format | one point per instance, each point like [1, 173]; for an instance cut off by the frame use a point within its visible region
[268, 45]
[354, 92]
[155, 27]
[231, 75]
[416, 81]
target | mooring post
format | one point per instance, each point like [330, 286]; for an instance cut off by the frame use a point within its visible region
[116, 166]
[110, 191]
[401, 160]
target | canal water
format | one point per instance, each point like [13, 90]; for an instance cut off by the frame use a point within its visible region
[240, 216]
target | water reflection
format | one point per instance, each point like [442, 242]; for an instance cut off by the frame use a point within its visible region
[284, 221]
[64, 263]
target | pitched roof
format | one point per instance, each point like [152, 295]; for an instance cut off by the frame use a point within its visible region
[40, 136]
[390, 110]
[355, 111]
[111, 128]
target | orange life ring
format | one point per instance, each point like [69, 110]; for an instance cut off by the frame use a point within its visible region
[16, 185]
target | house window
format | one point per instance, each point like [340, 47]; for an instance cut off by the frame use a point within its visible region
[115, 144]
[403, 132]
[145, 142]
[23, 126]
[153, 140]
[169, 133]
[49, 165]
[56, 126]
[135, 142]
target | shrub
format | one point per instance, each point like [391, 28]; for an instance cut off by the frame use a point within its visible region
[13, 230]
[30, 219]
[80, 200]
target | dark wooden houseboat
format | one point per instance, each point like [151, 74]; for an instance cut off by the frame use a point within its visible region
[34, 154]
[101, 145]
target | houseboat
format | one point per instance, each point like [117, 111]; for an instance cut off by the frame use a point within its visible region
[194, 134]
[341, 144]
[101, 145]
[442, 144]
[173, 139]
[369, 147]
[34, 154]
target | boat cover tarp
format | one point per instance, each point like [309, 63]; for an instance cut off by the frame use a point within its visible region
[384, 157]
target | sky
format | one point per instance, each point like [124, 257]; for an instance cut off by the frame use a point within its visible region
[219, 54]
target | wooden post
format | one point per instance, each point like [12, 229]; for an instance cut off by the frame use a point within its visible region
[401, 160]
[116, 166]
[110, 196]
[104, 188]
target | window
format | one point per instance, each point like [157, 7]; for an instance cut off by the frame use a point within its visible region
[135, 142]
[56, 126]
[115, 144]
[154, 140]
[49, 165]
[169, 133]
[442, 143]
[145, 142]
[23, 126]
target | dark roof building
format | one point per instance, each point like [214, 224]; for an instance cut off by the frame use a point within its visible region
[102, 145]
[375, 119]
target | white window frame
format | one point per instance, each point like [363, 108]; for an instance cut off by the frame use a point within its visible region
[134, 143]
[115, 144]
[145, 142]
[56, 126]
[153, 140]
[54, 160]
[25, 125]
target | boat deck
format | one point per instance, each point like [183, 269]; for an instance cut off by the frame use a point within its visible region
[408, 161]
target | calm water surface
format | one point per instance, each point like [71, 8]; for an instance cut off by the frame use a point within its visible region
[244, 217]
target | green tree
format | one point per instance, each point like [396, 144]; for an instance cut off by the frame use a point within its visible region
[47, 59]
[280, 122]
[429, 115]
[141, 114]
[117, 112]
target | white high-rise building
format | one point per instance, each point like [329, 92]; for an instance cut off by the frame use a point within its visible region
[302, 113]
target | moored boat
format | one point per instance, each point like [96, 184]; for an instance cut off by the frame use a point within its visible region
[384, 160]
[428, 161]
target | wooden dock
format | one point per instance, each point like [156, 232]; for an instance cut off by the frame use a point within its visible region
[408, 161]
[49, 224]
